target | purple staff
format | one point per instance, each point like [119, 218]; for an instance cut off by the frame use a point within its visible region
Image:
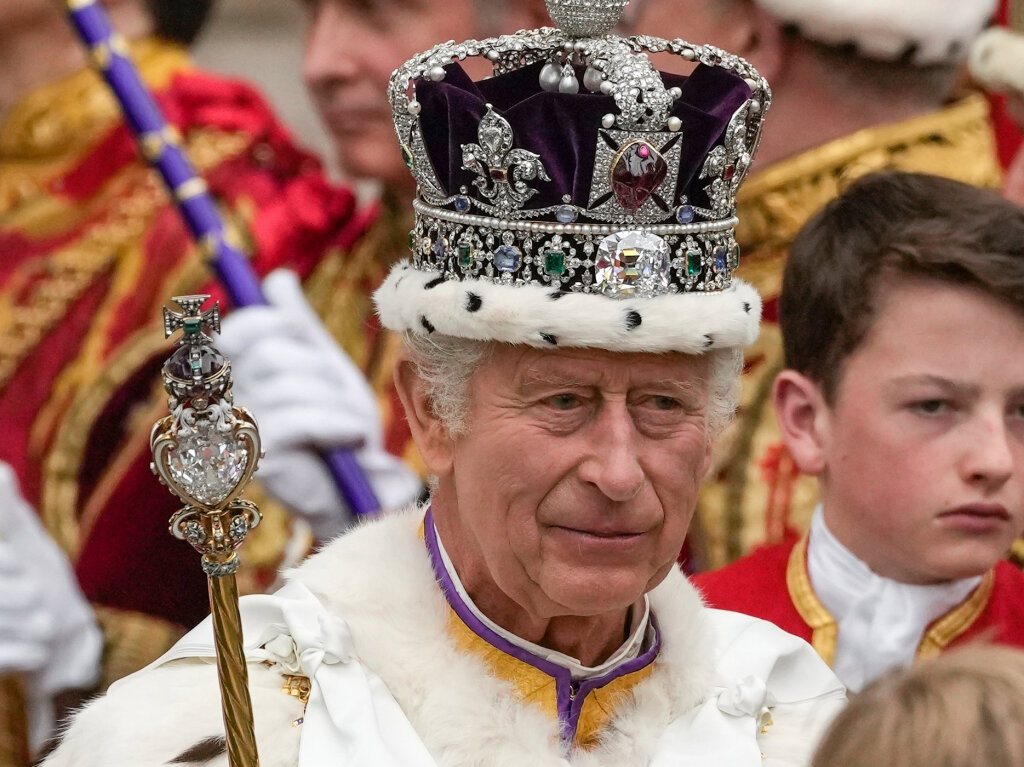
[158, 144]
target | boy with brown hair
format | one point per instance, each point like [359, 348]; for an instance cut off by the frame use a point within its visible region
[902, 314]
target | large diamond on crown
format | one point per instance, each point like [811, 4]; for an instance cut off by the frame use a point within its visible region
[208, 463]
[632, 263]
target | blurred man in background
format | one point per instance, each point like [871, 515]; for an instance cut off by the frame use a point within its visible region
[351, 49]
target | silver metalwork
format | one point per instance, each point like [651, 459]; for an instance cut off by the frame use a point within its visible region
[462, 246]
[586, 18]
[504, 171]
[207, 449]
[492, 232]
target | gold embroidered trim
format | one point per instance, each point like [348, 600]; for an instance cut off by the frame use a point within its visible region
[825, 631]
[297, 686]
[954, 623]
[956, 142]
[132, 641]
[67, 115]
[27, 324]
[69, 272]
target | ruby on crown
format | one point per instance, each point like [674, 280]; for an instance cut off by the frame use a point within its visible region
[637, 172]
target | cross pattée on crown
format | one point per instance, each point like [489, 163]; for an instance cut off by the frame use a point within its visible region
[192, 319]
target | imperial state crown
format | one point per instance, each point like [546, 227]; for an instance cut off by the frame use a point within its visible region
[578, 196]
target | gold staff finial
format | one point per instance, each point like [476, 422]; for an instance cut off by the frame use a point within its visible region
[205, 451]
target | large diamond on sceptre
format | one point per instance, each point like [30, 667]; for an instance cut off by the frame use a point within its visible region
[206, 451]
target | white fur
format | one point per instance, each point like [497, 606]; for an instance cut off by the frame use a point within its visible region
[379, 578]
[997, 60]
[884, 28]
[684, 322]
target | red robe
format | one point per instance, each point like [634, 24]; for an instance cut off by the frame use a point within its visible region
[90, 249]
[772, 583]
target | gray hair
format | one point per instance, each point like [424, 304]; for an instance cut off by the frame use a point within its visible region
[445, 365]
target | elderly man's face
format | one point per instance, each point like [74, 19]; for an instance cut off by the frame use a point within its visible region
[578, 477]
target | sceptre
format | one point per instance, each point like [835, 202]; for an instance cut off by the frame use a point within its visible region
[206, 451]
[160, 146]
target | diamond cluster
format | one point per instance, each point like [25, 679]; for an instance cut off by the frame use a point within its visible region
[638, 233]
[700, 257]
[586, 18]
[208, 463]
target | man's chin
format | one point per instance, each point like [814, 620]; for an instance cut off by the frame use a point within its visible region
[597, 595]
[965, 562]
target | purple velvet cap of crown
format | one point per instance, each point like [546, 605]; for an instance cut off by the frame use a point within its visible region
[563, 128]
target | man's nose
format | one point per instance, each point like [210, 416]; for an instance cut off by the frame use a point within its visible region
[331, 47]
[612, 464]
[988, 457]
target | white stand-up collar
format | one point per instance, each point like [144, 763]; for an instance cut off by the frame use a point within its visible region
[880, 621]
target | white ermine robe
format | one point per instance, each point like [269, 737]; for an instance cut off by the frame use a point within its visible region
[367, 622]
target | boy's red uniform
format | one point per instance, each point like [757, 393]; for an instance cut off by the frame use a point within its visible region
[772, 583]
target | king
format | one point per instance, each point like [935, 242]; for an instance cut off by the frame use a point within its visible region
[572, 340]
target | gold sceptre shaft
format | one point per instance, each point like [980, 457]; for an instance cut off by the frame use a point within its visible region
[205, 451]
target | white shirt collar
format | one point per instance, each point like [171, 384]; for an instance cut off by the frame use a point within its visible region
[641, 638]
[880, 621]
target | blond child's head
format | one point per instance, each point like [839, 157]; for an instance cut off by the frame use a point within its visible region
[962, 709]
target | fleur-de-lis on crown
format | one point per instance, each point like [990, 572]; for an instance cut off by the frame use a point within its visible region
[503, 171]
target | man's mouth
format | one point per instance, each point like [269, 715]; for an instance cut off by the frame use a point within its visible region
[980, 510]
[976, 517]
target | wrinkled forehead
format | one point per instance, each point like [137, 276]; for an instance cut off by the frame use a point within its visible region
[524, 367]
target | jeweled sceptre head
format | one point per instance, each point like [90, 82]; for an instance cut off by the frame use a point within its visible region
[207, 449]
[579, 197]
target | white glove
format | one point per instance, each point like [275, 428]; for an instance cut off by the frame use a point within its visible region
[307, 395]
[47, 629]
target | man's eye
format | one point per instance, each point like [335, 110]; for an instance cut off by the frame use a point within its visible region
[930, 406]
[665, 403]
[564, 401]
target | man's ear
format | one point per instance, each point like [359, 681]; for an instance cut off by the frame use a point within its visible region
[431, 436]
[803, 415]
[763, 41]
